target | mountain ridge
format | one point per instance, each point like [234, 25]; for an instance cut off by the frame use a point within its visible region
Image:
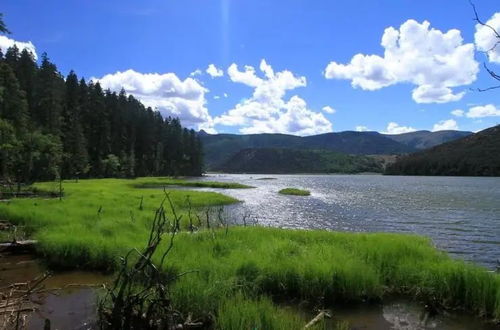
[219, 148]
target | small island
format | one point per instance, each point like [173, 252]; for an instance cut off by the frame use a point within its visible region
[295, 192]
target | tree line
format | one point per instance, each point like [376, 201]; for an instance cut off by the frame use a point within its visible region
[56, 127]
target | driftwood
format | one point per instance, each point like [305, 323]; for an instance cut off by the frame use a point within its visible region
[321, 316]
[17, 300]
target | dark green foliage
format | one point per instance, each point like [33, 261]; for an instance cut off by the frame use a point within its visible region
[474, 155]
[275, 160]
[54, 127]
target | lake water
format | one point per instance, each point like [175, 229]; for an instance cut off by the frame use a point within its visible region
[460, 214]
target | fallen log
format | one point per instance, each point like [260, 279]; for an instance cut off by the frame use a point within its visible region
[18, 246]
[322, 315]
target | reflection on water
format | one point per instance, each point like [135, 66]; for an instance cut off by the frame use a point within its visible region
[405, 315]
[460, 214]
[68, 300]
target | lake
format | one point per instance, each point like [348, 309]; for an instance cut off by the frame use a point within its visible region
[460, 214]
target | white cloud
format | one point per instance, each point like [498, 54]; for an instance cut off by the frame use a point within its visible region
[216, 97]
[213, 71]
[458, 113]
[361, 128]
[445, 125]
[432, 60]
[395, 128]
[434, 94]
[6, 43]
[196, 72]
[267, 111]
[225, 95]
[166, 92]
[486, 40]
[329, 109]
[481, 111]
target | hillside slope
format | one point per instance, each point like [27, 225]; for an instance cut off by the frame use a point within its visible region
[282, 160]
[221, 147]
[425, 139]
[474, 155]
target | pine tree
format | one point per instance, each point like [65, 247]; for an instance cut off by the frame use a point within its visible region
[74, 143]
[48, 100]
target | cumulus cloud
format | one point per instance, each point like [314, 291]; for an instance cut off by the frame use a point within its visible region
[214, 72]
[432, 60]
[481, 111]
[267, 110]
[6, 43]
[445, 125]
[458, 113]
[361, 128]
[395, 128]
[166, 92]
[486, 40]
[329, 109]
[196, 72]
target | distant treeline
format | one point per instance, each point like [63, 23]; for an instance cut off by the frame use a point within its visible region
[475, 155]
[55, 127]
[285, 160]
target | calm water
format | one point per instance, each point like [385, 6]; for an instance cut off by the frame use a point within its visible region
[460, 214]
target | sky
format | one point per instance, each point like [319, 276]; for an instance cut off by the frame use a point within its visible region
[299, 67]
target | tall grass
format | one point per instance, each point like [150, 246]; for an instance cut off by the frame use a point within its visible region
[99, 220]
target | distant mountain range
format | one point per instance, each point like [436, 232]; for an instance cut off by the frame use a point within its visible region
[474, 155]
[282, 160]
[220, 148]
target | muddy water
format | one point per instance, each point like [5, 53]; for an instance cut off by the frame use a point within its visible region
[70, 298]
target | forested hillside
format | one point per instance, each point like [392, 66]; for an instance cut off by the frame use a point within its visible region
[475, 155]
[282, 160]
[54, 126]
[219, 148]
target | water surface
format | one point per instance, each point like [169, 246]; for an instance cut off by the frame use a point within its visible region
[460, 214]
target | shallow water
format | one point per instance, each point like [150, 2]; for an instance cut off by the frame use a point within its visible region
[460, 214]
[68, 300]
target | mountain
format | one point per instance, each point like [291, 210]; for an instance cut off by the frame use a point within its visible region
[219, 148]
[474, 155]
[425, 139]
[282, 160]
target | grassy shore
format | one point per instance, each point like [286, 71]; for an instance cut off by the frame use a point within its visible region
[147, 183]
[294, 192]
[237, 275]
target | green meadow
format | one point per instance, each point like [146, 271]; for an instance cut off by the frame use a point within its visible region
[238, 276]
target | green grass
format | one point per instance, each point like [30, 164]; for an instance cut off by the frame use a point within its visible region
[294, 192]
[97, 220]
[243, 272]
[161, 182]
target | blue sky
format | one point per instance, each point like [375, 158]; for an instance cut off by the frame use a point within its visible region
[300, 51]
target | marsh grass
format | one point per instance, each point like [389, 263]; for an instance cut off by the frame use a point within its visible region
[99, 220]
[161, 182]
[294, 192]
